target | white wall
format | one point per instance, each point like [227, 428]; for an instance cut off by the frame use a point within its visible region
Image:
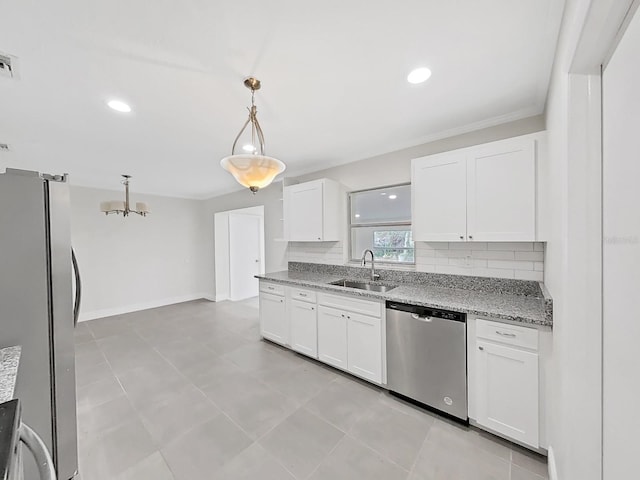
[134, 263]
[621, 329]
[572, 179]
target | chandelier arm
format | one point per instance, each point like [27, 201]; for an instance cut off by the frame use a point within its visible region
[233, 148]
[260, 136]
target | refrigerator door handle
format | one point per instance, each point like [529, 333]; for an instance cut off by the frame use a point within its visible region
[39, 451]
[78, 299]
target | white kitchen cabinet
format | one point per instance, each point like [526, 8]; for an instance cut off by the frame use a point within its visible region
[364, 346]
[332, 337]
[313, 211]
[501, 191]
[304, 327]
[506, 390]
[273, 318]
[439, 197]
[481, 193]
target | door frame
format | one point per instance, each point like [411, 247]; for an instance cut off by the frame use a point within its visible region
[221, 248]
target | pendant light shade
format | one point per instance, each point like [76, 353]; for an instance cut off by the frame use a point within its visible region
[253, 171]
[252, 168]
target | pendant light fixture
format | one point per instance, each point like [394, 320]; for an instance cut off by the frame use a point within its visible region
[118, 207]
[252, 169]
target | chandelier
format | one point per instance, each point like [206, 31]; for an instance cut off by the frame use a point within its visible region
[252, 169]
[118, 207]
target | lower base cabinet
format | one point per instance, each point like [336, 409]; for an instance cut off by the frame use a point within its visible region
[507, 395]
[332, 337]
[273, 318]
[304, 331]
[364, 345]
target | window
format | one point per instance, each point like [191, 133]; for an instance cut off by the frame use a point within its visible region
[380, 220]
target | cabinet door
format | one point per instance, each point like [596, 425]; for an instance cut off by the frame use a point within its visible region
[304, 328]
[304, 212]
[364, 346]
[332, 337]
[273, 318]
[439, 197]
[501, 182]
[507, 391]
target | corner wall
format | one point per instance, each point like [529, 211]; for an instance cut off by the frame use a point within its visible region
[135, 263]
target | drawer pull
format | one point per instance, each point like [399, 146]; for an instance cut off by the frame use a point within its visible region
[481, 348]
[503, 334]
[302, 294]
[271, 288]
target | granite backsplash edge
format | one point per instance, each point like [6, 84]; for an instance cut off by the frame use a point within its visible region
[506, 286]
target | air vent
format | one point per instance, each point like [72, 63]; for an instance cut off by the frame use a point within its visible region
[4, 147]
[8, 66]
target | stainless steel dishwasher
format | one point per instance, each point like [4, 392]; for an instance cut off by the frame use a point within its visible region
[427, 356]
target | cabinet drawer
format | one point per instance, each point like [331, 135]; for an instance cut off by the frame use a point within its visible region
[272, 288]
[357, 305]
[303, 295]
[507, 334]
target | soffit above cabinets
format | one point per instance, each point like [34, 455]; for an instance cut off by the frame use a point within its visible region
[335, 71]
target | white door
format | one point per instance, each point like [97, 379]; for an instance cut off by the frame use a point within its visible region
[304, 327]
[621, 256]
[507, 391]
[245, 232]
[439, 198]
[501, 192]
[304, 211]
[273, 318]
[364, 346]
[332, 337]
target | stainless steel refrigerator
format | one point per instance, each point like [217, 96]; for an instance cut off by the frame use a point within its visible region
[37, 307]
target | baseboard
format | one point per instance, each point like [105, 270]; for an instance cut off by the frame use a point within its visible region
[109, 312]
[551, 462]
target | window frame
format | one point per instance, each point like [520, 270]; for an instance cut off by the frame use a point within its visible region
[351, 226]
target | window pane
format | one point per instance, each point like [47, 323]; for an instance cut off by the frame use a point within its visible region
[389, 244]
[383, 205]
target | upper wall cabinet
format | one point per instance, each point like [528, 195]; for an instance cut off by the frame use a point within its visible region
[483, 193]
[313, 211]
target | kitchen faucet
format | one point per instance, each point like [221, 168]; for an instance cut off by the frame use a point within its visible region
[374, 275]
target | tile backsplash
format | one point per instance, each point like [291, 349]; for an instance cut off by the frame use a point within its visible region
[518, 260]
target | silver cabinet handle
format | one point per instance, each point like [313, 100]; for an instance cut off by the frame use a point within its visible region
[461, 237]
[470, 237]
[503, 334]
[302, 294]
[271, 288]
[343, 315]
[39, 451]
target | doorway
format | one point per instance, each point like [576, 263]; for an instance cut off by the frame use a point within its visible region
[239, 253]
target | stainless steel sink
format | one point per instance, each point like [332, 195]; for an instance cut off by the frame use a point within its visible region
[373, 287]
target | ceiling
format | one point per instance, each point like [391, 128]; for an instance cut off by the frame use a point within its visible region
[333, 74]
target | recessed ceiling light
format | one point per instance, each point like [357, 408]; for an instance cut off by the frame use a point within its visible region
[357, 215]
[393, 197]
[419, 75]
[383, 193]
[119, 106]
[249, 148]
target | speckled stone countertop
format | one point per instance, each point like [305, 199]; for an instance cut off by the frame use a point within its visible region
[527, 309]
[9, 361]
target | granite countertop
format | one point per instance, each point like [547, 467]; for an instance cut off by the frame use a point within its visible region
[525, 309]
[9, 361]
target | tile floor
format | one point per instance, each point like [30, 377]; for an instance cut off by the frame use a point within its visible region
[190, 392]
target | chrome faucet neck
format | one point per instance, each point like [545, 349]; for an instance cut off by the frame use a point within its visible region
[374, 275]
